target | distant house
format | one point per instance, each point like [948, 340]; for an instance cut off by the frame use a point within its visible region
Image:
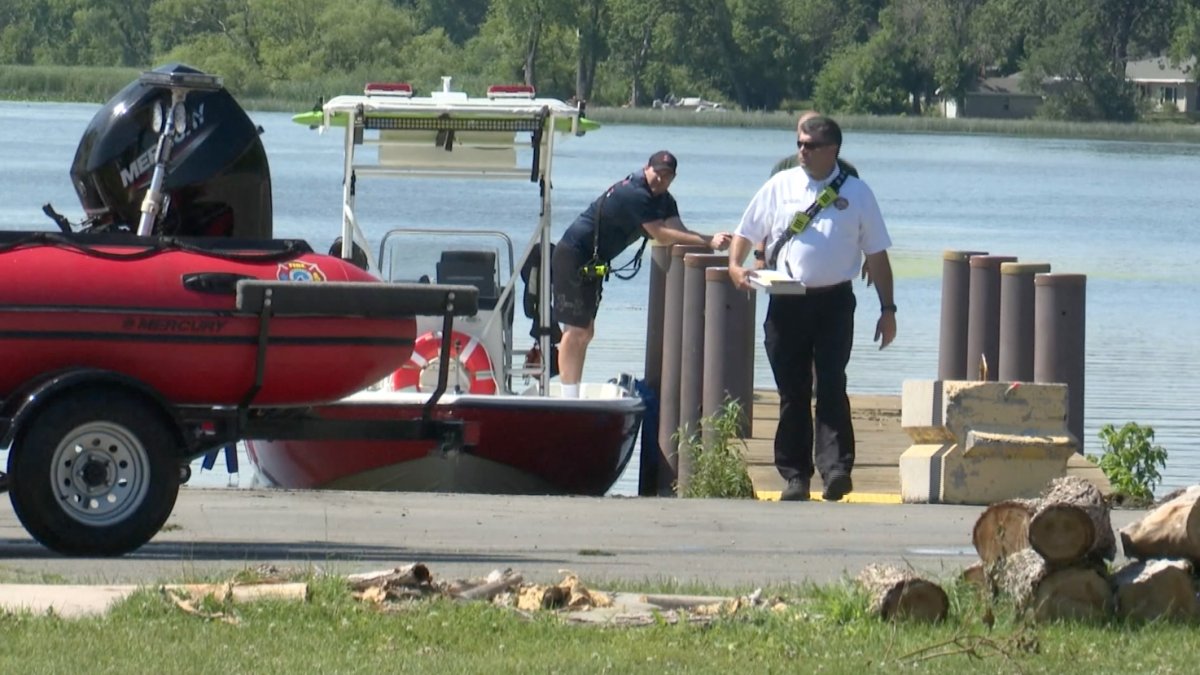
[1165, 84]
[996, 97]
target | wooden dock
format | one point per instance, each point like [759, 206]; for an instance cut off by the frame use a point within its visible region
[879, 443]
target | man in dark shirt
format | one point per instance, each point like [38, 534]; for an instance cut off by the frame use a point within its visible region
[636, 207]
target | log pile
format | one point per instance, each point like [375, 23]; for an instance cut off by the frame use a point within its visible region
[1050, 555]
[1165, 546]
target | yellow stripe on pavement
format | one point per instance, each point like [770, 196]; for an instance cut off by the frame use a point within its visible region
[853, 497]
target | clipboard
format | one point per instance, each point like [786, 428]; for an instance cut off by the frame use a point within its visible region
[776, 283]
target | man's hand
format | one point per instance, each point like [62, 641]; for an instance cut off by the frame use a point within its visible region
[866, 272]
[885, 328]
[740, 277]
[720, 241]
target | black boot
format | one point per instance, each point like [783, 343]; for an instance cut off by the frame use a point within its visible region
[797, 490]
[838, 486]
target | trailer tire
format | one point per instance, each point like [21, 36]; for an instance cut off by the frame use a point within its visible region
[94, 472]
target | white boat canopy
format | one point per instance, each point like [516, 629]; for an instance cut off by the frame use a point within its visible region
[450, 134]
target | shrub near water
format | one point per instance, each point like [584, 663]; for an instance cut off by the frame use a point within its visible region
[1131, 461]
[720, 469]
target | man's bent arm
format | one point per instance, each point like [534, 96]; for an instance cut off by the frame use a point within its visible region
[672, 231]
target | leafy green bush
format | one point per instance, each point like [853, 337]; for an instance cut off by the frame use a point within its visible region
[1131, 461]
[718, 470]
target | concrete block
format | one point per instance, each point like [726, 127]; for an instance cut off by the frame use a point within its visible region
[921, 473]
[983, 445]
[981, 442]
[996, 466]
[922, 410]
[1020, 407]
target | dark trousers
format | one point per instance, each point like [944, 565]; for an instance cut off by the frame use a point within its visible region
[807, 334]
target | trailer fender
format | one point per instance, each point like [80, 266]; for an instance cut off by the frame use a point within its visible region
[33, 395]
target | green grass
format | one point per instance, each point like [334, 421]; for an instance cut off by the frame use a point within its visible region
[822, 629]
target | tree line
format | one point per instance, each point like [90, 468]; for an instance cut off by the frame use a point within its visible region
[855, 56]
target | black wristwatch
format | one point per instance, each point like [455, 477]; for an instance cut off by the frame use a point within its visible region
[887, 308]
[759, 255]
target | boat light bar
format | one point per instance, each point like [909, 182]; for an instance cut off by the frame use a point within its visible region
[388, 89]
[181, 80]
[510, 91]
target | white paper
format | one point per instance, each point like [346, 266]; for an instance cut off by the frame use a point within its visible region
[776, 283]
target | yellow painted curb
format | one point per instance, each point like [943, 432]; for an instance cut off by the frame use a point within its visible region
[852, 498]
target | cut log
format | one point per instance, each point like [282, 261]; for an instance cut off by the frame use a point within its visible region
[1054, 530]
[1152, 589]
[1071, 593]
[1061, 533]
[1079, 593]
[975, 575]
[1017, 575]
[1002, 530]
[900, 594]
[1169, 531]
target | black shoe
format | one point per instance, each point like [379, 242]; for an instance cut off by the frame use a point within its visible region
[797, 490]
[837, 487]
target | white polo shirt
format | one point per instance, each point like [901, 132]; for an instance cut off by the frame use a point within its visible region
[829, 251]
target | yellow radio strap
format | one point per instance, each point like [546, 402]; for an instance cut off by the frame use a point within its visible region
[802, 219]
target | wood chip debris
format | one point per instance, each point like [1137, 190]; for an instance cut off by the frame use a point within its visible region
[571, 598]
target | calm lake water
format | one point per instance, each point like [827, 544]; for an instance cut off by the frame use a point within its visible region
[1123, 213]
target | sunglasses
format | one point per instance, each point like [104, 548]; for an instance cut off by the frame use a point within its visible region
[811, 145]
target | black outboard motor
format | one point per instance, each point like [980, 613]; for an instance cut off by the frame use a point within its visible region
[217, 184]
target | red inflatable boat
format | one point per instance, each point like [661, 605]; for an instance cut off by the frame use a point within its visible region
[169, 313]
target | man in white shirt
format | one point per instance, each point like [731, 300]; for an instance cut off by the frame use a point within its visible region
[817, 222]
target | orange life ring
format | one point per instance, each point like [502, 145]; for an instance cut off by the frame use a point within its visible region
[473, 364]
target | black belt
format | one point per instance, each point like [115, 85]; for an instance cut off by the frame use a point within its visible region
[818, 290]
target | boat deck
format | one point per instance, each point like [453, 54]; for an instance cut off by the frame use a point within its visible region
[880, 442]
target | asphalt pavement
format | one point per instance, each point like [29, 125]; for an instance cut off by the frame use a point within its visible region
[728, 543]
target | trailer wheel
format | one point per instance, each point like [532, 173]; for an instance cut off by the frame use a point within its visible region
[94, 473]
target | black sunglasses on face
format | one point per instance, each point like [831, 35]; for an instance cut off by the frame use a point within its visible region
[811, 145]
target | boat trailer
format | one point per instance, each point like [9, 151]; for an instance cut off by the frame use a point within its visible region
[96, 457]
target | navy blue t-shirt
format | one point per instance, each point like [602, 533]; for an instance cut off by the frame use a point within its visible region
[626, 206]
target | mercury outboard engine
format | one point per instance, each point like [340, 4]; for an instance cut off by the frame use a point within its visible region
[217, 183]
